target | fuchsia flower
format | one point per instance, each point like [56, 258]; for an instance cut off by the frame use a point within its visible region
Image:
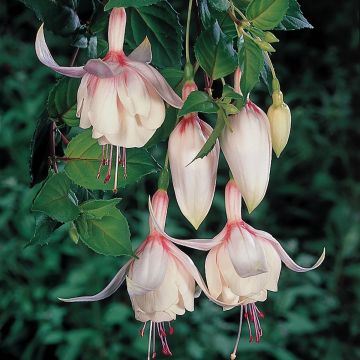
[120, 96]
[160, 283]
[185, 142]
[243, 263]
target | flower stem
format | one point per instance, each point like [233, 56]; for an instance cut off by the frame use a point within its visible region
[268, 60]
[187, 36]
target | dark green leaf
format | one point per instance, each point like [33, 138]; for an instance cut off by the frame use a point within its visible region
[84, 156]
[215, 53]
[294, 18]
[108, 234]
[198, 101]
[251, 62]
[174, 77]
[126, 3]
[211, 141]
[266, 14]
[220, 5]
[60, 18]
[97, 209]
[160, 23]
[229, 92]
[62, 101]
[53, 199]
[40, 150]
[266, 76]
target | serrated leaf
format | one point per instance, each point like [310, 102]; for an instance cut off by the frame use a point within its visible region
[198, 101]
[215, 52]
[62, 101]
[294, 18]
[44, 230]
[160, 23]
[129, 3]
[266, 14]
[84, 156]
[99, 208]
[211, 141]
[251, 62]
[109, 235]
[53, 199]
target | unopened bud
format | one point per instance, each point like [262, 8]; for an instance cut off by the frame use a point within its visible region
[280, 122]
[270, 37]
[264, 45]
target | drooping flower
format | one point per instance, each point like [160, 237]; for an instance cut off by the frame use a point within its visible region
[194, 181]
[280, 122]
[243, 263]
[246, 145]
[120, 96]
[160, 283]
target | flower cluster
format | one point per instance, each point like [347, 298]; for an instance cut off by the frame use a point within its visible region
[122, 98]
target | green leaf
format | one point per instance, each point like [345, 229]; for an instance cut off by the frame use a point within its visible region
[97, 209]
[160, 23]
[175, 78]
[53, 199]
[230, 93]
[211, 141]
[220, 5]
[294, 18]
[84, 156]
[266, 14]
[44, 230]
[198, 101]
[251, 62]
[62, 101]
[60, 18]
[106, 233]
[126, 3]
[215, 53]
[266, 76]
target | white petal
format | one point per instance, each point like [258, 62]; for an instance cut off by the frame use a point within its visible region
[114, 284]
[273, 264]
[189, 176]
[103, 69]
[213, 277]
[43, 53]
[150, 269]
[156, 80]
[142, 53]
[246, 253]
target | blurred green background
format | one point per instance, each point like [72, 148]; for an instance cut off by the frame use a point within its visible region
[312, 202]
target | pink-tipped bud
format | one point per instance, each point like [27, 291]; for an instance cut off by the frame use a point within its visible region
[246, 145]
[160, 203]
[194, 181]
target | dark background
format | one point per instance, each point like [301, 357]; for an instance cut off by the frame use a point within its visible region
[312, 202]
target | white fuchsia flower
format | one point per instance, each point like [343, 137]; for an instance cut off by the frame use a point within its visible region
[246, 145]
[120, 96]
[243, 263]
[188, 176]
[160, 283]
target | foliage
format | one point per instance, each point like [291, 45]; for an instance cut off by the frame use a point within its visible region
[312, 201]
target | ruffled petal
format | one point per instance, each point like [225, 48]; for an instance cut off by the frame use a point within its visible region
[43, 53]
[212, 273]
[142, 53]
[156, 80]
[114, 284]
[102, 69]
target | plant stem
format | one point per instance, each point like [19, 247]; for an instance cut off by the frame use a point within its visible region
[187, 36]
[268, 60]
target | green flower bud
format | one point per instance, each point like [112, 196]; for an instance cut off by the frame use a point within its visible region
[280, 122]
[270, 37]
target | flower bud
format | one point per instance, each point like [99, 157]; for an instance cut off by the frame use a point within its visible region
[280, 122]
[194, 181]
[247, 149]
[270, 37]
[264, 45]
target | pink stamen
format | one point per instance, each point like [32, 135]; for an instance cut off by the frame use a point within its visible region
[102, 161]
[142, 330]
[116, 168]
[124, 161]
[108, 175]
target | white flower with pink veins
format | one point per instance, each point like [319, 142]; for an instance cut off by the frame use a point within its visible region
[120, 96]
